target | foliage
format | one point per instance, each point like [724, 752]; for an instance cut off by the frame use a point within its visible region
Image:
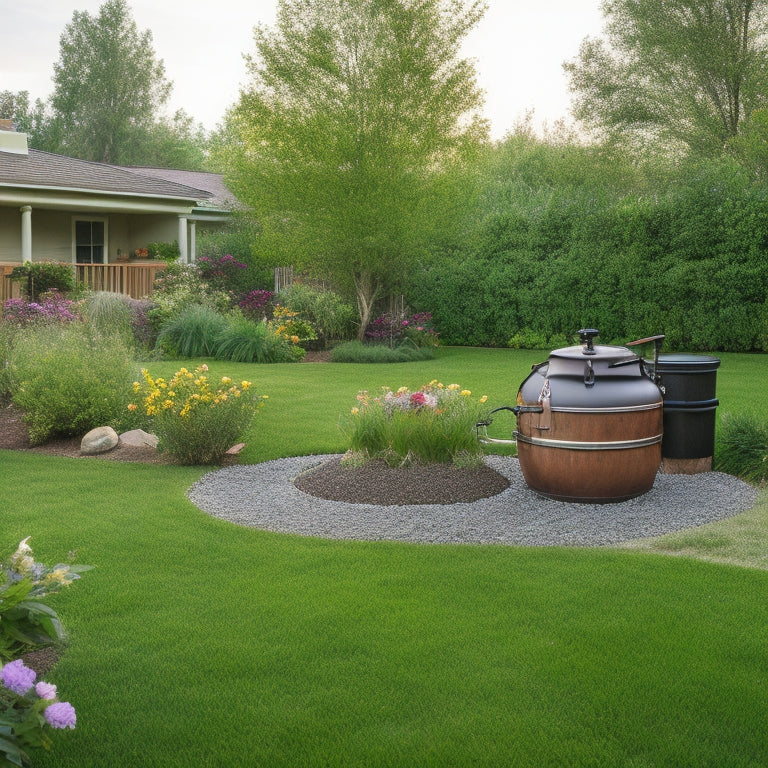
[333, 318]
[26, 622]
[688, 73]
[95, 111]
[291, 325]
[358, 352]
[196, 421]
[432, 424]
[220, 273]
[25, 710]
[167, 251]
[194, 332]
[51, 307]
[687, 260]
[256, 304]
[370, 106]
[742, 447]
[241, 238]
[395, 328]
[69, 379]
[246, 341]
[178, 286]
[38, 277]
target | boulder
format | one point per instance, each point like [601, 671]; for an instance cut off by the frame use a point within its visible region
[139, 438]
[99, 440]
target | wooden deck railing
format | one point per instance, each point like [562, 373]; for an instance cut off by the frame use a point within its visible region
[134, 280]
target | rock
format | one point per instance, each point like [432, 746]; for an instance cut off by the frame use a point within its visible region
[99, 440]
[139, 438]
[235, 449]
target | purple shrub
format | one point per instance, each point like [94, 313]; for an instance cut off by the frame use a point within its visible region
[51, 307]
[257, 304]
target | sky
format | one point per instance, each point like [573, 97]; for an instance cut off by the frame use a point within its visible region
[518, 48]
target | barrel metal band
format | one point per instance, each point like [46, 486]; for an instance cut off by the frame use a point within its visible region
[615, 445]
[617, 409]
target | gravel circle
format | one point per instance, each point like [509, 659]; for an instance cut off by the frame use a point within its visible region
[264, 496]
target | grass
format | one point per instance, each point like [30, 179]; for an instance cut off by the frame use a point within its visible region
[197, 642]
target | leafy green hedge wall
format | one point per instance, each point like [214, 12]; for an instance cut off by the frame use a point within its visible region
[691, 263]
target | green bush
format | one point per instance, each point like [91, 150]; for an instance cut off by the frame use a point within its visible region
[246, 341]
[357, 352]
[742, 447]
[333, 318]
[42, 276]
[197, 421]
[69, 378]
[194, 332]
[166, 251]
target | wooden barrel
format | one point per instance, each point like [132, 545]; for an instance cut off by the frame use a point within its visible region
[589, 425]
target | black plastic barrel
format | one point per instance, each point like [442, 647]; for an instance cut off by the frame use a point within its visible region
[689, 386]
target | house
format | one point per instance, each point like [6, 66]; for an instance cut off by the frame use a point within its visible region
[96, 216]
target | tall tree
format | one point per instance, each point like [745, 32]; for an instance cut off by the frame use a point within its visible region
[347, 142]
[688, 72]
[108, 83]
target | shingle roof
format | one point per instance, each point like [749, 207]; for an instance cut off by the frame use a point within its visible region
[221, 196]
[44, 169]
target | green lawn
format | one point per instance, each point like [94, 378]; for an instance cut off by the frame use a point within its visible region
[195, 642]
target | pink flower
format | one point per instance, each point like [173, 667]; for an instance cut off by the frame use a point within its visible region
[418, 399]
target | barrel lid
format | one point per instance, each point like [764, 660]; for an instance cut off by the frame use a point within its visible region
[597, 352]
[683, 361]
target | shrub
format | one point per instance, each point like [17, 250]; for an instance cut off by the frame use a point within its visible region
[291, 325]
[742, 447]
[194, 332]
[26, 622]
[196, 421]
[165, 251]
[432, 424]
[40, 277]
[256, 304]
[69, 379]
[178, 286]
[357, 352]
[392, 329]
[6, 344]
[51, 306]
[333, 318]
[245, 341]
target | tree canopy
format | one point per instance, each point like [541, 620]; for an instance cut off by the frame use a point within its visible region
[348, 139]
[109, 85]
[686, 72]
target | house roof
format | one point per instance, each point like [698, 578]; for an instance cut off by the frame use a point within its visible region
[221, 196]
[39, 169]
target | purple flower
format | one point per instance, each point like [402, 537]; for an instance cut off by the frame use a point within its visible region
[45, 690]
[17, 678]
[61, 715]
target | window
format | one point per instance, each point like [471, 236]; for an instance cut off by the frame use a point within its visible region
[90, 241]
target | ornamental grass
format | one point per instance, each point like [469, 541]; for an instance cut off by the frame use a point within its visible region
[435, 423]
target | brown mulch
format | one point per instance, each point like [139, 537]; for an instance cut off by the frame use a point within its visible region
[376, 483]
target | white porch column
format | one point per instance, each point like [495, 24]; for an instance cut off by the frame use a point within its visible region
[193, 240]
[26, 233]
[183, 246]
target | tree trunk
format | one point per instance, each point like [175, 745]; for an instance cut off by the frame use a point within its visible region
[368, 289]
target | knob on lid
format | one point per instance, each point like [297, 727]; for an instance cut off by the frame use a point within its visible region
[587, 337]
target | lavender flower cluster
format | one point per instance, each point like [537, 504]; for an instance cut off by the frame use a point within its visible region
[20, 679]
[395, 328]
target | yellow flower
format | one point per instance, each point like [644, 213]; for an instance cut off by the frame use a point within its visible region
[167, 404]
[151, 410]
[295, 339]
[453, 387]
[265, 397]
[226, 380]
[465, 393]
[355, 411]
[402, 390]
[245, 384]
[483, 398]
[136, 386]
[184, 412]
[132, 407]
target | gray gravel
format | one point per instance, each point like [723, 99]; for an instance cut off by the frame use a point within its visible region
[264, 496]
